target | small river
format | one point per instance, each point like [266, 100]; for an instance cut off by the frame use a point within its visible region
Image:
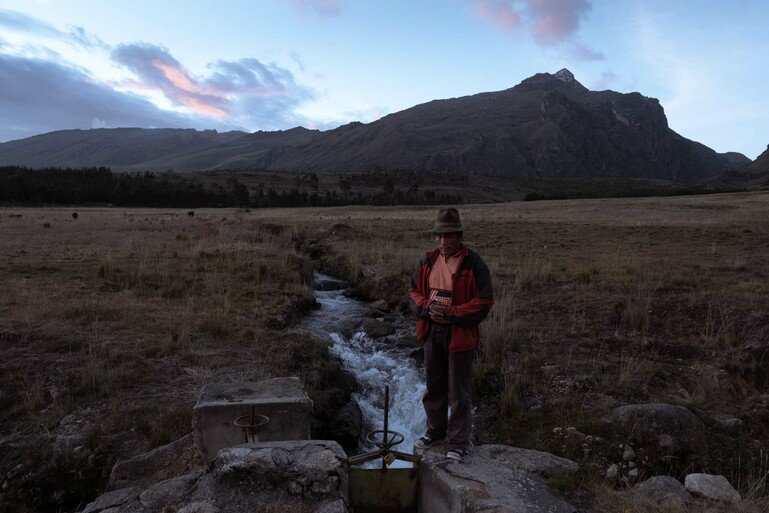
[375, 362]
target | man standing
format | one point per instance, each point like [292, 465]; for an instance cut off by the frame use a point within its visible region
[451, 294]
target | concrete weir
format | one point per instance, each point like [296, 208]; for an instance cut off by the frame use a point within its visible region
[282, 400]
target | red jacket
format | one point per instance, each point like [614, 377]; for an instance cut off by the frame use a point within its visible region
[471, 301]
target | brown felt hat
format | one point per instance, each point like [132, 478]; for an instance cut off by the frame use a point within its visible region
[447, 221]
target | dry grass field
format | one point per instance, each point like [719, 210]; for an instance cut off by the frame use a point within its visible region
[598, 303]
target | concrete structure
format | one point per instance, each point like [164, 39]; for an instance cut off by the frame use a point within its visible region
[492, 478]
[281, 399]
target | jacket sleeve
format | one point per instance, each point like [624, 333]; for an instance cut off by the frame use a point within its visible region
[420, 305]
[475, 310]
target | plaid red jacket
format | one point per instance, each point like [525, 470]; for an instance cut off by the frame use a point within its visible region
[471, 302]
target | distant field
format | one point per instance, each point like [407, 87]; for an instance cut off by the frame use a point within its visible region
[129, 311]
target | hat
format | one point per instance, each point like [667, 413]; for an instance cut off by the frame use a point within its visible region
[447, 221]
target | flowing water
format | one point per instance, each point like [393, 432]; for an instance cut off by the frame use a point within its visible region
[374, 362]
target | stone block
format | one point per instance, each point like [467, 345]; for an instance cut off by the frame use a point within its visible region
[491, 478]
[281, 399]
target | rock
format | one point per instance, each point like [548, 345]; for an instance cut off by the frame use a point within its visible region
[664, 490]
[380, 305]
[660, 427]
[612, 472]
[682, 396]
[168, 492]
[368, 272]
[628, 454]
[491, 478]
[712, 487]
[325, 284]
[729, 424]
[336, 506]
[549, 371]
[418, 355]
[527, 459]
[301, 475]
[72, 433]
[632, 473]
[199, 507]
[375, 328]
[348, 425]
[112, 499]
[410, 341]
[174, 459]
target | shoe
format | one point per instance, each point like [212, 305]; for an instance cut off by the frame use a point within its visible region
[427, 441]
[457, 454]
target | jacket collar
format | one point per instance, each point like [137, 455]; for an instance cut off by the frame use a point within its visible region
[434, 254]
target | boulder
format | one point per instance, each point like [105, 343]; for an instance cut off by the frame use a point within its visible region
[380, 305]
[301, 475]
[712, 487]
[325, 284]
[664, 490]
[114, 499]
[174, 459]
[376, 328]
[660, 427]
[168, 492]
[348, 425]
[492, 478]
[72, 433]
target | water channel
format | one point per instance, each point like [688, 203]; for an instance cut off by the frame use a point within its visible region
[375, 362]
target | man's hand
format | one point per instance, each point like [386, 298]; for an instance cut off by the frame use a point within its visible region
[437, 312]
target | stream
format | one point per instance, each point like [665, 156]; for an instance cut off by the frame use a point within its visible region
[375, 363]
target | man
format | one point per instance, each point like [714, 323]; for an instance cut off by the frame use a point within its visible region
[451, 294]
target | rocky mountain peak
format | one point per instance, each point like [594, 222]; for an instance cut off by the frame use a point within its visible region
[565, 75]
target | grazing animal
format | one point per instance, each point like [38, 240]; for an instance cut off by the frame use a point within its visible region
[191, 213]
[74, 215]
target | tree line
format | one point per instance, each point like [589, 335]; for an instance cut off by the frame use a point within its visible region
[99, 185]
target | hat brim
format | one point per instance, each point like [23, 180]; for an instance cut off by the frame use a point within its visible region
[447, 229]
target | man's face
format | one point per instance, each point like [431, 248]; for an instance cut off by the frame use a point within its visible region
[448, 243]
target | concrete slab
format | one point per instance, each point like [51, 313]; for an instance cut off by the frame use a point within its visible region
[283, 400]
[489, 479]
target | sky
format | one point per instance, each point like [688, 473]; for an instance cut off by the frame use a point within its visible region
[276, 64]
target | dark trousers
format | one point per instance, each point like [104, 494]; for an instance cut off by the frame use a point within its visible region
[449, 377]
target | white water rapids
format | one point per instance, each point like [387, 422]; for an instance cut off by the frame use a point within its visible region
[375, 363]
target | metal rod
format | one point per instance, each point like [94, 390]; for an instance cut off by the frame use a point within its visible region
[384, 434]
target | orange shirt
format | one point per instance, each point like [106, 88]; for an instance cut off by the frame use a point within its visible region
[441, 287]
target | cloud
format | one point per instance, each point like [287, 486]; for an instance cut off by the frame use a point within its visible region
[500, 13]
[581, 52]
[551, 22]
[247, 92]
[321, 8]
[38, 96]
[19, 22]
[554, 21]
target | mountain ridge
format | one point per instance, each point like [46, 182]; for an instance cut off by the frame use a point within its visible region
[547, 126]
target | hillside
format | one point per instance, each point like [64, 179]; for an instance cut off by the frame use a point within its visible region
[547, 127]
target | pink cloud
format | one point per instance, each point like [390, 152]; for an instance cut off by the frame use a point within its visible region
[499, 13]
[245, 92]
[551, 21]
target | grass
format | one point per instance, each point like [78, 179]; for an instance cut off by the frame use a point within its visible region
[130, 311]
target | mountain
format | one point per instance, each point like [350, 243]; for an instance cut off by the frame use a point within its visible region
[112, 147]
[548, 126]
[752, 175]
